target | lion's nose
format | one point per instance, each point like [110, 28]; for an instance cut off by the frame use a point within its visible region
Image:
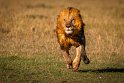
[68, 25]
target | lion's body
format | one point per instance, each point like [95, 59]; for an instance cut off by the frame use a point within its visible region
[66, 42]
[74, 37]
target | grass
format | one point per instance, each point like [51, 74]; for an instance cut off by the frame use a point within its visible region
[29, 52]
[48, 69]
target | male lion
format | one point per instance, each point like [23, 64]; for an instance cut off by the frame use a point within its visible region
[70, 32]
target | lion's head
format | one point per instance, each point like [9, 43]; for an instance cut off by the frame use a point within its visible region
[69, 21]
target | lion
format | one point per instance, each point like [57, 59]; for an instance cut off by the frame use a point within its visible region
[70, 32]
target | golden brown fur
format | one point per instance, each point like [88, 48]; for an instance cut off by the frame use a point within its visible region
[70, 32]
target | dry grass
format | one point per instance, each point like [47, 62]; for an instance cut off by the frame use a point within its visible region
[27, 29]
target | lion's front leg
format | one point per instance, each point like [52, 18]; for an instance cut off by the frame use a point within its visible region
[67, 58]
[76, 61]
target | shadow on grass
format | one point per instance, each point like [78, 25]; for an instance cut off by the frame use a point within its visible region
[104, 70]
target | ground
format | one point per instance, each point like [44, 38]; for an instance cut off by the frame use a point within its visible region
[29, 52]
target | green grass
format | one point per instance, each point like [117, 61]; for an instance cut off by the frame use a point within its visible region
[29, 51]
[47, 69]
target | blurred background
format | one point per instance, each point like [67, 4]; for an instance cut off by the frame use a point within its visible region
[28, 26]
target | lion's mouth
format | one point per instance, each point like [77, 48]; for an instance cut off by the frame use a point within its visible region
[68, 31]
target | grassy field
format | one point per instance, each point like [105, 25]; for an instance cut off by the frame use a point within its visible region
[29, 52]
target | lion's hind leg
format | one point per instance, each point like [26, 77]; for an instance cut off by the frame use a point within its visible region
[84, 57]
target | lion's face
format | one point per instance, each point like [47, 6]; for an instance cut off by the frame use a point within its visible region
[68, 25]
[70, 20]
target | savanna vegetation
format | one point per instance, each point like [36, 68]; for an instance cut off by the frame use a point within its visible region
[29, 52]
